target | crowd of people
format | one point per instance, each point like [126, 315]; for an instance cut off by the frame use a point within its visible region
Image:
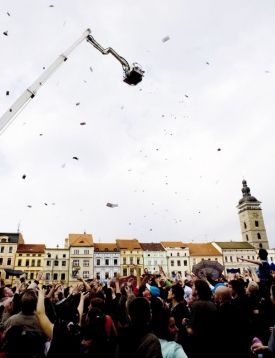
[154, 316]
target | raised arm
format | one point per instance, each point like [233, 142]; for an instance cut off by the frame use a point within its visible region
[43, 320]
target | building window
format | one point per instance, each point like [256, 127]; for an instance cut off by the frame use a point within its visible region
[115, 261]
[55, 276]
[33, 255]
[248, 257]
[27, 262]
[55, 263]
[138, 261]
[194, 261]
[76, 252]
[106, 275]
[259, 236]
[1, 261]
[231, 259]
[38, 262]
[20, 255]
[253, 258]
[2, 249]
[172, 262]
[86, 274]
[171, 254]
[48, 276]
[131, 271]
[124, 272]
[48, 263]
[86, 263]
[225, 258]
[64, 255]
[19, 262]
[178, 253]
[75, 262]
[33, 263]
[257, 223]
[31, 276]
[63, 276]
[246, 237]
[10, 250]
[244, 224]
[178, 263]
[4, 240]
[260, 246]
[86, 252]
[149, 262]
[49, 255]
[39, 255]
[131, 260]
[28, 255]
[9, 261]
[107, 262]
[124, 260]
[98, 275]
[184, 262]
[98, 262]
[155, 262]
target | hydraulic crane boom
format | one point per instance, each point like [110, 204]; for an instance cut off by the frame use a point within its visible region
[132, 75]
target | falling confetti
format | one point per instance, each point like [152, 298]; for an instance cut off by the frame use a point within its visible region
[77, 104]
[46, 204]
[165, 39]
[51, 6]
[29, 206]
[63, 165]
[5, 33]
[91, 69]
[75, 158]
[219, 149]
[122, 107]
[64, 23]
[83, 123]
[41, 134]
[112, 205]
[8, 13]
[207, 63]
[7, 93]
[24, 176]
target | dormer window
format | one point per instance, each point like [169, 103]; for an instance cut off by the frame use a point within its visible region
[106, 249]
[97, 249]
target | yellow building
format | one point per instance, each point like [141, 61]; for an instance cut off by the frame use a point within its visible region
[8, 247]
[130, 253]
[30, 259]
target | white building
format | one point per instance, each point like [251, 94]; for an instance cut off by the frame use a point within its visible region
[106, 260]
[178, 259]
[154, 255]
[81, 248]
[56, 264]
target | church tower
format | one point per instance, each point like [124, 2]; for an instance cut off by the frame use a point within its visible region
[251, 220]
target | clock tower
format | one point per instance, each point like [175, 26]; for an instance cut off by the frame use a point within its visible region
[251, 220]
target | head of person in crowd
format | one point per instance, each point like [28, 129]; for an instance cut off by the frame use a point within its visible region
[222, 295]
[263, 254]
[237, 288]
[28, 302]
[139, 311]
[146, 294]
[176, 293]
[165, 326]
[201, 290]
[97, 303]
[190, 301]
[252, 289]
[162, 282]
[13, 341]
[5, 292]
[68, 313]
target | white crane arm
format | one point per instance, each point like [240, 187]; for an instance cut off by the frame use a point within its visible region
[10, 114]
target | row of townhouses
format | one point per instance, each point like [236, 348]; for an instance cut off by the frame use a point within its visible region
[80, 255]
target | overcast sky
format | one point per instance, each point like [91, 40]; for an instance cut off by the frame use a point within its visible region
[149, 149]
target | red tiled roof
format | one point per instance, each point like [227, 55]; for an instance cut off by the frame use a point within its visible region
[173, 244]
[152, 247]
[128, 244]
[80, 240]
[103, 247]
[203, 250]
[31, 248]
